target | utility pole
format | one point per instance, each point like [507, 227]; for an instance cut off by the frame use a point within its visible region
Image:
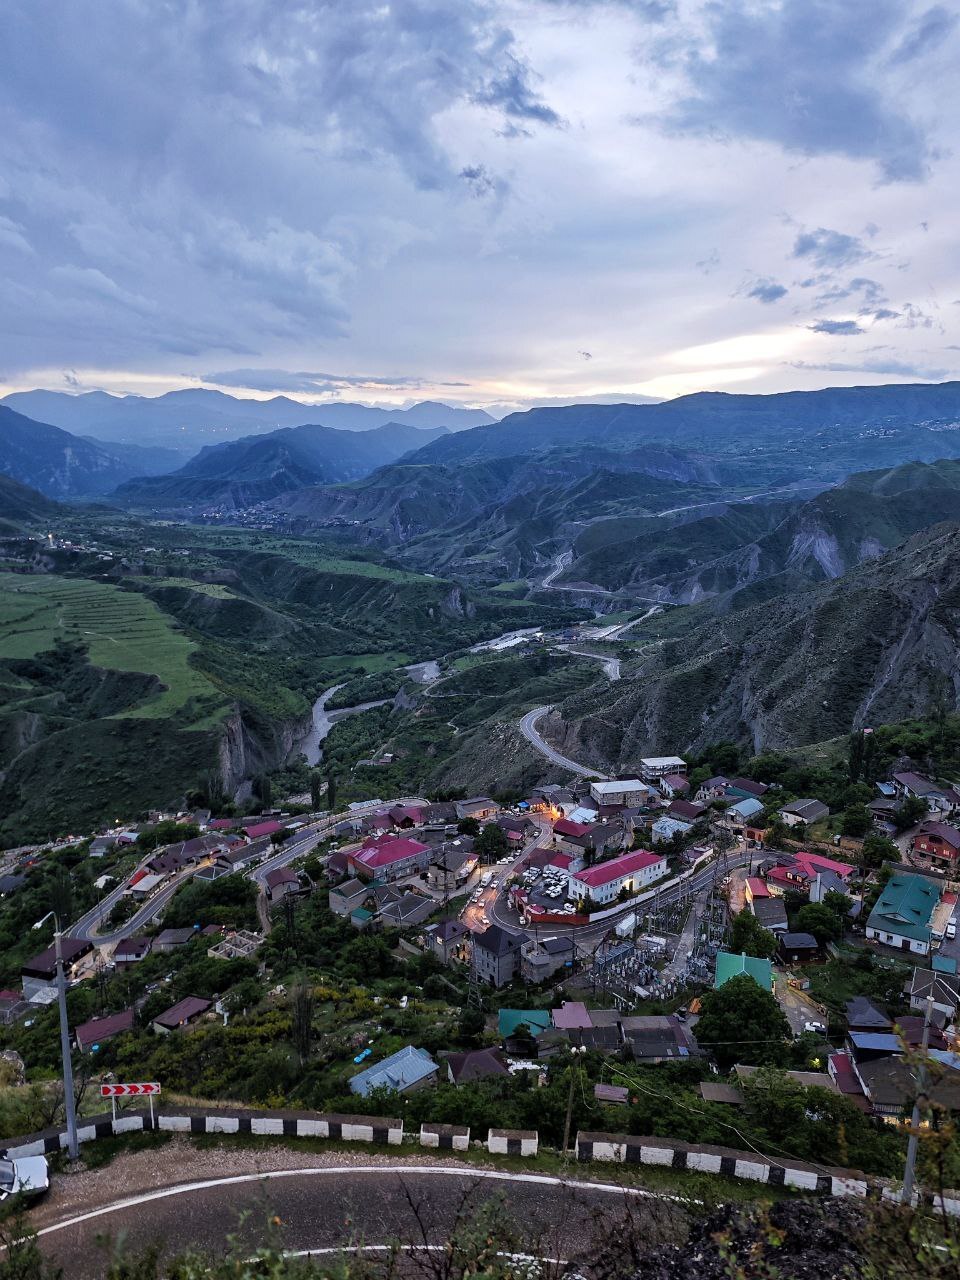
[69, 1101]
[909, 1173]
[576, 1053]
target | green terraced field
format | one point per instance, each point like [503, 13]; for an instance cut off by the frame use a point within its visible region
[123, 631]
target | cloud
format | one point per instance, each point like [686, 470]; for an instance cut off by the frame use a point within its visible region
[894, 368]
[837, 328]
[305, 383]
[932, 28]
[829, 249]
[767, 290]
[803, 75]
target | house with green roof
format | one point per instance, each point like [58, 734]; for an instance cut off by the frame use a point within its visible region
[730, 965]
[903, 913]
[535, 1020]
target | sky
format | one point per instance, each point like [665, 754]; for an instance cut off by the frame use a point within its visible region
[483, 202]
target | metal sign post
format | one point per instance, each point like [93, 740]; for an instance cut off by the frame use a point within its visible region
[115, 1091]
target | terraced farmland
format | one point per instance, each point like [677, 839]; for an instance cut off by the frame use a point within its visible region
[122, 630]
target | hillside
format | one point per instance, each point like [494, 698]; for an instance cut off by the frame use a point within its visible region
[188, 419]
[880, 644]
[504, 517]
[813, 434]
[62, 465]
[745, 544]
[21, 505]
[242, 473]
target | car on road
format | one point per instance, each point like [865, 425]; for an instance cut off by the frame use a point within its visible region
[818, 1028]
[26, 1176]
[951, 930]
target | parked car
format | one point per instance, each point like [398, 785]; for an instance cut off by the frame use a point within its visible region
[817, 1028]
[951, 930]
[26, 1176]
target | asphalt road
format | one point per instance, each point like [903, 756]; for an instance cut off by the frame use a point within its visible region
[528, 727]
[331, 1208]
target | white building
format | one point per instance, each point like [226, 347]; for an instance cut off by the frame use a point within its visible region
[652, 768]
[631, 871]
[628, 791]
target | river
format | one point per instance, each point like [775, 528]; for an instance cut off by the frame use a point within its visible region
[310, 747]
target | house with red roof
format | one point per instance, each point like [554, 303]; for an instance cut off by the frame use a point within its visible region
[269, 828]
[565, 832]
[673, 785]
[390, 858]
[631, 871]
[755, 888]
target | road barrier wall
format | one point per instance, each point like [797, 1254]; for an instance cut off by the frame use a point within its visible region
[590, 1147]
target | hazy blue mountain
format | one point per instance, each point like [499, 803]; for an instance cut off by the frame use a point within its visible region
[186, 420]
[790, 435]
[19, 504]
[62, 465]
[241, 473]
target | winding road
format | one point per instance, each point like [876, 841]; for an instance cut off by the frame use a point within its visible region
[528, 727]
[326, 1209]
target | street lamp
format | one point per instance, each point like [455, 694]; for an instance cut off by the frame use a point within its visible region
[69, 1102]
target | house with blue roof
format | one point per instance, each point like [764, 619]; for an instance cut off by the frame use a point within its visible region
[403, 1072]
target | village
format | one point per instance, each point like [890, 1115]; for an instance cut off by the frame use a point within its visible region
[641, 920]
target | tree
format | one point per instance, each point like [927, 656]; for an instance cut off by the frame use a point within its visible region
[877, 850]
[316, 790]
[856, 821]
[301, 1017]
[912, 810]
[855, 751]
[740, 1022]
[471, 1024]
[264, 790]
[468, 827]
[331, 792]
[817, 918]
[748, 936]
[491, 843]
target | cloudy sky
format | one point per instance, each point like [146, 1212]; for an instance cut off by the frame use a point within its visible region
[474, 200]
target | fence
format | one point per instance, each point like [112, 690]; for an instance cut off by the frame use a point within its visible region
[590, 1147]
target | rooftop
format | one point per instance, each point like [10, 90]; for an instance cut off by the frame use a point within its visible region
[402, 1070]
[617, 868]
[905, 907]
[731, 965]
[185, 1009]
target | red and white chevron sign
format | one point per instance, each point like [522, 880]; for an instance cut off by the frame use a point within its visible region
[128, 1090]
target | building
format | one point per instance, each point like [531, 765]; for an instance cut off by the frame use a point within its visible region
[184, 1013]
[142, 885]
[403, 1072]
[944, 987]
[281, 881]
[736, 817]
[535, 1021]
[631, 872]
[477, 1064]
[938, 842]
[448, 940]
[239, 944]
[754, 888]
[542, 958]
[408, 909]
[686, 810]
[797, 948]
[90, 1035]
[347, 897]
[665, 828]
[658, 1038]
[170, 939]
[903, 914]
[730, 965]
[942, 800]
[39, 975]
[453, 863]
[770, 912]
[390, 858]
[479, 807]
[803, 812]
[673, 785]
[740, 788]
[260, 830]
[712, 789]
[496, 955]
[622, 791]
[653, 768]
[130, 951]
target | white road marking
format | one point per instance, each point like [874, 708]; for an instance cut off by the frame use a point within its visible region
[448, 1171]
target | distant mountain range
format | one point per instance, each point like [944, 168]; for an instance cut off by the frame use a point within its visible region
[880, 644]
[62, 465]
[242, 473]
[186, 420]
[823, 434]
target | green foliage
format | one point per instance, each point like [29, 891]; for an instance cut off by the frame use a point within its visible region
[230, 900]
[856, 821]
[878, 849]
[740, 1022]
[491, 843]
[748, 936]
[817, 918]
[168, 831]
